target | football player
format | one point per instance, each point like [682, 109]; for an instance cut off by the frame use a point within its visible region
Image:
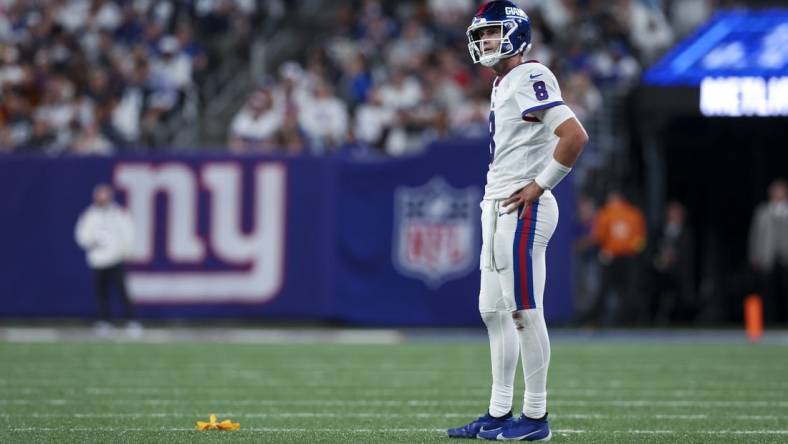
[535, 141]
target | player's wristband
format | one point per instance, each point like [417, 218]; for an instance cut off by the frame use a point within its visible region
[551, 175]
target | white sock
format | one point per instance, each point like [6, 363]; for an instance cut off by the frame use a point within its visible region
[504, 352]
[535, 348]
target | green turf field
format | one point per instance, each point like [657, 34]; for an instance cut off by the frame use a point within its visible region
[600, 393]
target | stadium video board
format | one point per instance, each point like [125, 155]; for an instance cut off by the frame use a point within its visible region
[739, 62]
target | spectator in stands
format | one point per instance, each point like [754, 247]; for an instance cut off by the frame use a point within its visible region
[411, 48]
[291, 137]
[131, 27]
[104, 15]
[581, 94]
[768, 250]
[91, 141]
[445, 91]
[373, 122]
[58, 113]
[43, 139]
[105, 231]
[473, 118]
[256, 125]
[649, 30]
[12, 73]
[448, 14]
[99, 88]
[323, 119]
[128, 111]
[172, 68]
[356, 81]
[195, 51]
[620, 233]
[614, 65]
[673, 265]
[426, 122]
[401, 94]
[294, 85]
[686, 15]
[17, 121]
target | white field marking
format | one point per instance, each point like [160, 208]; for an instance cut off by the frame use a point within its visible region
[30, 377]
[397, 430]
[383, 402]
[243, 429]
[211, 335]
[556, 394]
[376, 415]
[708, 384]
[265, 380]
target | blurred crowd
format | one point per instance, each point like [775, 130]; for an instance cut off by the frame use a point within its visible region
[393, 76]
[629, 274]
[94, 76]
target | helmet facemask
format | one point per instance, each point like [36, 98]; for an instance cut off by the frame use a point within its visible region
[505, 48]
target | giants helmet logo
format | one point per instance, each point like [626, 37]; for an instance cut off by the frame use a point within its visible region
[435, 231]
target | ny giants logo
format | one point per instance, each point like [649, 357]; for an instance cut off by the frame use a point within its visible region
[435, 231]
[515, 11]
[253, 259]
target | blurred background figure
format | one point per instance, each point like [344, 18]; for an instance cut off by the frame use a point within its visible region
[373, 122]
[324, 119]
[768, 250]
[620, 233]
[257, 124]
[673, 266]
[105, 232]
[586, 273]
[91, 141]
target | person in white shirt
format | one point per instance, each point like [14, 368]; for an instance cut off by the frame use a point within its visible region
[324, 119]
[535, 141]
[257, 124]
[373, 121]
[768, 250]
[105, 231]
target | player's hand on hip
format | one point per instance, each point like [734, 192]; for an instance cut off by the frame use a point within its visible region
[523, 198]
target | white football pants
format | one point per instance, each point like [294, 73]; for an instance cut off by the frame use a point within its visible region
[510, 299]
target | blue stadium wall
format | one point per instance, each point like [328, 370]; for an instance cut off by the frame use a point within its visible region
[364, 242]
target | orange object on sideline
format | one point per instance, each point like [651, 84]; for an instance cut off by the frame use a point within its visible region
[753, 317]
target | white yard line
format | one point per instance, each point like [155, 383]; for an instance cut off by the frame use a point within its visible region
[396, 430]
[556, 394]
[287, 415]
[263, 380]
[190, 335]
[414, 402]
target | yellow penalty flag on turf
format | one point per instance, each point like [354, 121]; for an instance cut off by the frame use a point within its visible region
[213, 425]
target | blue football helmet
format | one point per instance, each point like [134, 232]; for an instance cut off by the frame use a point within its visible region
[515, 32]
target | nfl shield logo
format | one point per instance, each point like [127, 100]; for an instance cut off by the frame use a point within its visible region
[436, 231]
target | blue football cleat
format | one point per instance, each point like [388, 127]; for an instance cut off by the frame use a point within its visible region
[521, 429]
[484, 423]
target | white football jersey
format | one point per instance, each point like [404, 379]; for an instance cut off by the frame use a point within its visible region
[521, 146]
